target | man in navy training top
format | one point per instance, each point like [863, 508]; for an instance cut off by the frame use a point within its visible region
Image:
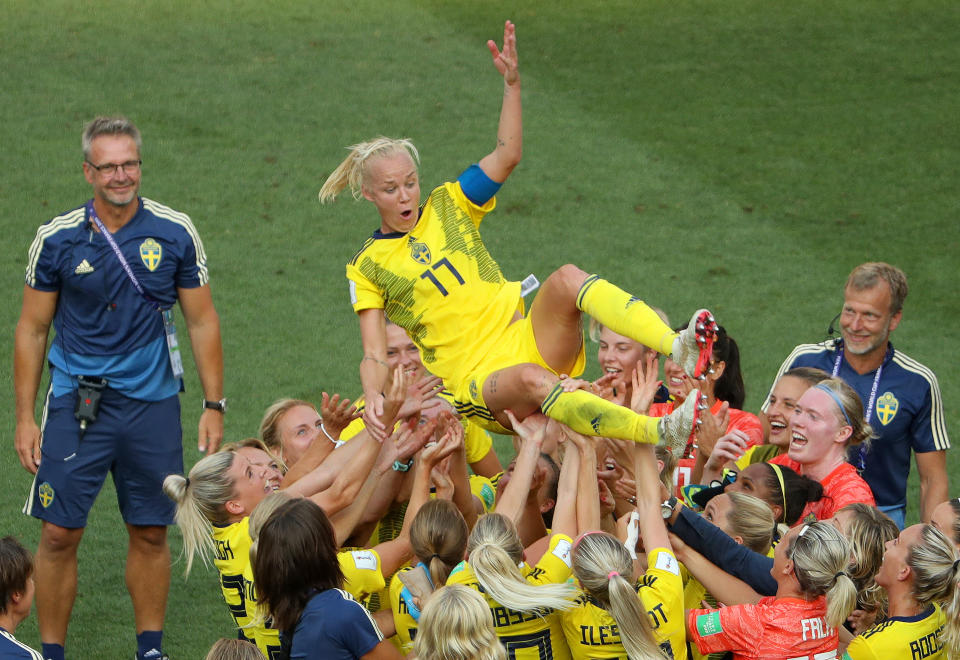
[901, 397]
[119, 336]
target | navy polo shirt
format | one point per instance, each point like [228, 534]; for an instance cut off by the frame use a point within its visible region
[104, 327]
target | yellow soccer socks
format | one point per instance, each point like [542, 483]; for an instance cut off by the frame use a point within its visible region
[625, 314]
[590, 415]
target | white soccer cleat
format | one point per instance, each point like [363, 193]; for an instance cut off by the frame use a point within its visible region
[693, 347]
[675, 429]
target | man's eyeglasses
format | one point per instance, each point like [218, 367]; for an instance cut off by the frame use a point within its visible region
[112, 169]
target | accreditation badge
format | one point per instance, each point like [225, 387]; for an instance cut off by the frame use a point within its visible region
[173, 348]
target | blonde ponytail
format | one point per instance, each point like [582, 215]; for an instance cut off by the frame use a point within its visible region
[352, 171]
[820, 556]
[841, 599]
[936, 578]
[494, 551]
[603, 566]
[438, 536]
[200, 500]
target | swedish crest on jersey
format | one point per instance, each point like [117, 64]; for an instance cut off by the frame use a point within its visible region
[887, 407]
[419, 251]
[151, 253]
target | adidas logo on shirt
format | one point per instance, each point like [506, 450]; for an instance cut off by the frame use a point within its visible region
[83, 268]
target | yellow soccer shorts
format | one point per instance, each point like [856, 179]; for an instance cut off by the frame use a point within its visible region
[517, 345]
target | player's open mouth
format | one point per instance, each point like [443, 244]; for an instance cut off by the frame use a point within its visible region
[613, 370]
[406, 214]
[798, 440]
[776, 426]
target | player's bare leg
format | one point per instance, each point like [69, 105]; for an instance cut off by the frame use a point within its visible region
[148, 575]
[557, 322]
[524, 388]
[55, 577]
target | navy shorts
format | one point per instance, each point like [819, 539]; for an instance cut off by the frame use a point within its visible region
[139, 442]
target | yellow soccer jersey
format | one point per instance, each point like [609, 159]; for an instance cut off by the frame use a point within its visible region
[757, 454]
[484, 490]
[592, 633]
[901, 638]
[405, 624]
[525, 635]
[429, 280]
[232, 560]
[361, 572]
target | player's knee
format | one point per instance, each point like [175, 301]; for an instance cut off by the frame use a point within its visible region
[55, 540]
[569, 277]
[537, 381]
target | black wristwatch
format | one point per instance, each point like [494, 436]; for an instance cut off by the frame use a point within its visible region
[220, 405]
[667, 507]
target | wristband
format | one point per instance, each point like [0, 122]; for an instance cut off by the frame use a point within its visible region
[402, 467]
[329, 437]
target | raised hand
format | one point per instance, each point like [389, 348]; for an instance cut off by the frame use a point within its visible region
[421, 395]
[394, 397]
[533, 428]
[435, 452]
[568, 384]
[337, 413]
[506, 60]
[645, 383]
[729, 447]
[611, 388]
[712, 427]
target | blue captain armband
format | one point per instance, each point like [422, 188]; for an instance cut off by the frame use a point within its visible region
[477, 186]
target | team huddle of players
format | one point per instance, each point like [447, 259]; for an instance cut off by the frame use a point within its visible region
[581, 547]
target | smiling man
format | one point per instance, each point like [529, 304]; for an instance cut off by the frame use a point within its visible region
[106, 276]
[901, 397]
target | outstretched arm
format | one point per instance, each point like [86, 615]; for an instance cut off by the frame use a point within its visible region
[395, 553]
[374, 370]
[718, 548]
[586, 489]
[499, 163]
[652, 530]
[724, 587]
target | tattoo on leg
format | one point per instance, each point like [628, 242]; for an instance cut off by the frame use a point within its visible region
[493, 383]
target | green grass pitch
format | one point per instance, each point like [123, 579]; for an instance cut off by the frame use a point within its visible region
[739, 155]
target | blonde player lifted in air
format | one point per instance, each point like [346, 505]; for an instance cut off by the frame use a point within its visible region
[428, 270]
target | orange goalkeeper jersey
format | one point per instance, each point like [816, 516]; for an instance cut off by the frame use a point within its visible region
[772, 629]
